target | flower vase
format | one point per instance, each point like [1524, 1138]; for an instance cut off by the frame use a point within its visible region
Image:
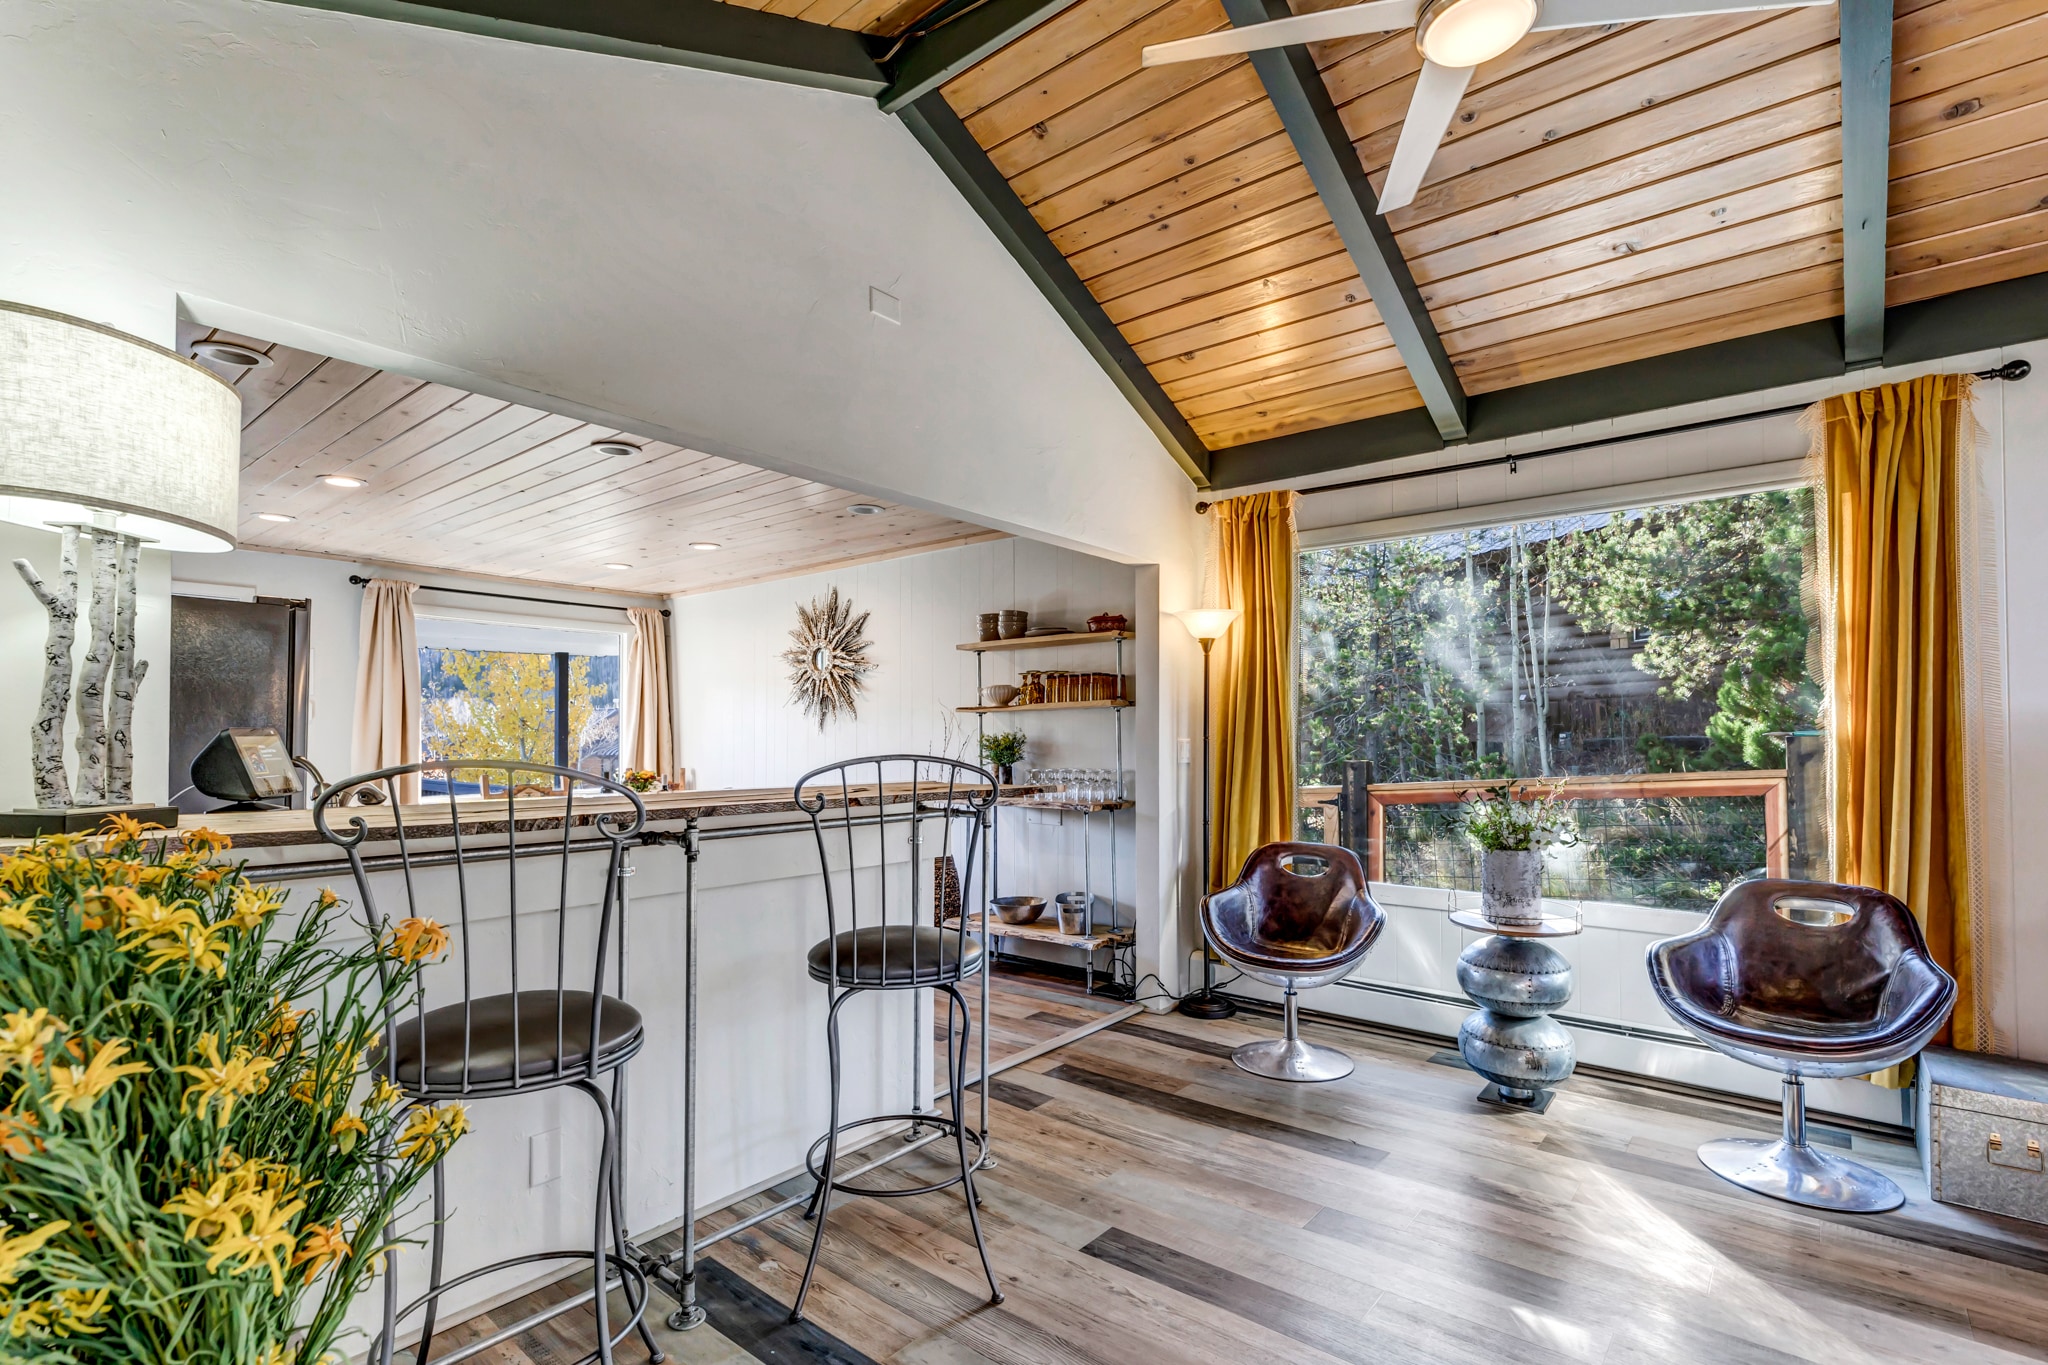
[1511, 886]
[1006, 774]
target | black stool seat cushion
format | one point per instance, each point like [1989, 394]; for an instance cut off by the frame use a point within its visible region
[1274, 919]
[491, 1052]
[1756, 976]
[895, 955]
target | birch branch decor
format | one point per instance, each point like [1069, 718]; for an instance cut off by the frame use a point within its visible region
[46, 732]
[107, 680]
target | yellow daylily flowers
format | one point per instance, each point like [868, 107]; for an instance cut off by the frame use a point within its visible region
[218, 1084]
[76, 1087]
[413, 940]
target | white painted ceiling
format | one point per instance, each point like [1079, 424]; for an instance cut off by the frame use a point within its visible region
[680, 253]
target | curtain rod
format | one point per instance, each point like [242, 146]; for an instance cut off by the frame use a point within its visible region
[2014, 369]
[361, 581]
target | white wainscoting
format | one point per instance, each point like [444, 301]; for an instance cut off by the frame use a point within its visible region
[1410, 980]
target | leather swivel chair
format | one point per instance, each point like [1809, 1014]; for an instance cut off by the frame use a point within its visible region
[1810, 979]
[1298, 916]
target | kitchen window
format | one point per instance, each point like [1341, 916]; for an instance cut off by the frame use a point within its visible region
[1656, 654]
[532, 693]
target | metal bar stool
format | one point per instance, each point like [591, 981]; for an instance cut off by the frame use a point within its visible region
[496, 1038]
[878, 938]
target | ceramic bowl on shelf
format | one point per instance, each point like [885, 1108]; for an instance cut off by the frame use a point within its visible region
[998, 694]
[1037, 631]
[1019, 909]
[1108, 621]
[989, 625]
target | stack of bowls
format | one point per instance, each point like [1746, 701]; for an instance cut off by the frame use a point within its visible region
[1011, 625]
[989, 623]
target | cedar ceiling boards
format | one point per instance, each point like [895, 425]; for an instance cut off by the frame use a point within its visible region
[1605, 195]
[1178, 199]
[884, 18]
[462, 483]
[1969, 163]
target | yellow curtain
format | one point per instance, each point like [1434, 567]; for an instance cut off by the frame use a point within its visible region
[1254, 680]
[1890, 480]
[387, 732]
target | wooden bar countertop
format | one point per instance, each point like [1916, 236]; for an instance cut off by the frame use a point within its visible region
[486, 815]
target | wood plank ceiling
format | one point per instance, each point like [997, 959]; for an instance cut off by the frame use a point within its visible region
[1604, 195]
[462, 483]
[884, 18]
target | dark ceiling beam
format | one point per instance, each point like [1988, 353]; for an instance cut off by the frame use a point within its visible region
[931, 59]
[932, 121]
[1971, 320]
[1297, 91]
[696, 33]
[1866, 174]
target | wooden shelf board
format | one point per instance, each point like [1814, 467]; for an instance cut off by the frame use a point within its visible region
[1072, 637]
[1102, 938]
[1116, 702]
[1033, 803]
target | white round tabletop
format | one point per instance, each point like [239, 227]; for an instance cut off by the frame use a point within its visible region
[1551, 926]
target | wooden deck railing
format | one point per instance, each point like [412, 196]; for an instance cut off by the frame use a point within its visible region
[1768, 783]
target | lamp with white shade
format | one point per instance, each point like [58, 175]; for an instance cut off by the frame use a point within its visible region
[1207, 625]
[112, 443]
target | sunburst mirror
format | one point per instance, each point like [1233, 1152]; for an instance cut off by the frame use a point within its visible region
[828, 660]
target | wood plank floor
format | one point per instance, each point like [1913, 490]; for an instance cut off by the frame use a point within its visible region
[1151, 1203]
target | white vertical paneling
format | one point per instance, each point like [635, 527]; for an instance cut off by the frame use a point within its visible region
[736, 726]
[2016, 420]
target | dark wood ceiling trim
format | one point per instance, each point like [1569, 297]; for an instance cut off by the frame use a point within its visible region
[930, 60]
[1988, 316]
[1866, 174]
[1310, 117]
[932, 121]
[697, 33]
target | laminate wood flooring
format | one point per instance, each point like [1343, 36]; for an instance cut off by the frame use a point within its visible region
[1151, 1203]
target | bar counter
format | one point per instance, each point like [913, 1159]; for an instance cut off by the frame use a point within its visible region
[726, 882]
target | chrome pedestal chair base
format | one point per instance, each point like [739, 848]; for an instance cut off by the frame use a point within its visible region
[1801, 1175]
[1290, 1057]
[1787, 1168]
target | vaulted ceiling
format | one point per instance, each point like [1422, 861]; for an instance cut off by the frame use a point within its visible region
[1620, 219]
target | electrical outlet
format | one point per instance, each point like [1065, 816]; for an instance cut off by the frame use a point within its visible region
[544, 1158]
[1187, 751]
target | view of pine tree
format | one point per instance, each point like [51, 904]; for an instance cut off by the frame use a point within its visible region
[500, 704]
[1716, 586]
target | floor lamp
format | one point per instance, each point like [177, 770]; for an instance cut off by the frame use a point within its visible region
[1207, 625]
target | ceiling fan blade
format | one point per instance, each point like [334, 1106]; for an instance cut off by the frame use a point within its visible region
[1593, 13]
[1375, 16]
[1437, 92]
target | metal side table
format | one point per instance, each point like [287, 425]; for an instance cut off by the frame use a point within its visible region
[1516, 979]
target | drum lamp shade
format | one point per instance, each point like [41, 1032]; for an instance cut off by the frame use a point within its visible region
[101, 428]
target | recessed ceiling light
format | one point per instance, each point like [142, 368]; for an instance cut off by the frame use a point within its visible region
[867, 509]
[274, 516]
[620, 449]
[228, 353]
[340, 481]
[703, 544]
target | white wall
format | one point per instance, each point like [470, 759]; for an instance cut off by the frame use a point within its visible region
[335, 614]
[23, 627]
[737, 727]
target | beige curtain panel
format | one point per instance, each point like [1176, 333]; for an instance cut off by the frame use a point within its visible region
[388, 683]
[647, 737]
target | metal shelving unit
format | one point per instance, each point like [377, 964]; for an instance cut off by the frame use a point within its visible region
[1115, 938]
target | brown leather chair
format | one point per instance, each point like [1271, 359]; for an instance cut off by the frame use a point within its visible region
[1298, 916]
[1810, 979]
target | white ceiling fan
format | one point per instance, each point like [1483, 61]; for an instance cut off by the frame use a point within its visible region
[1453, 36]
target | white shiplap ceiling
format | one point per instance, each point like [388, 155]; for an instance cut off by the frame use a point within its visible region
[460, 482]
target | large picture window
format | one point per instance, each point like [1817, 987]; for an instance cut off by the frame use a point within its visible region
[1666, 645]
[538, 694]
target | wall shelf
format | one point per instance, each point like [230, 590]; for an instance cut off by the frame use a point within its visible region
[1072, 637]
[1083, 807]
[1042, 933]
[1107, 703]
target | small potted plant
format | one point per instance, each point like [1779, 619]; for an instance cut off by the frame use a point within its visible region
[1513, 831]
[640, 779]
[1003, 752]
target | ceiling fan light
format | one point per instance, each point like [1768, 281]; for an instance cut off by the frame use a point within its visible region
[1465, 33]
